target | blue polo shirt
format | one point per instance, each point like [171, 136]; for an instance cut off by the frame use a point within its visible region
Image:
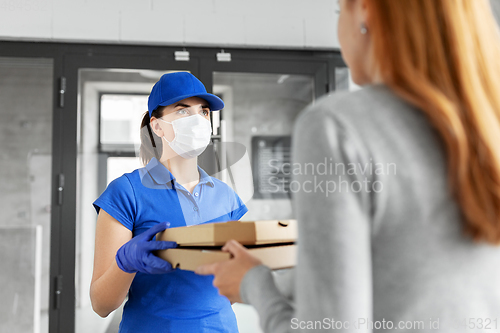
[179, 301]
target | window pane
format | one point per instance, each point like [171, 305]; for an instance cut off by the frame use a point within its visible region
[260, 113]
[121, 116]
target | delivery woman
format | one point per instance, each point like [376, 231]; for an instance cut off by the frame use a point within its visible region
[417, 251]
[170, 191]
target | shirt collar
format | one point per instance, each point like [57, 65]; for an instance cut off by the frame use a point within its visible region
[158, 172]
[161, 175]
[205, 178]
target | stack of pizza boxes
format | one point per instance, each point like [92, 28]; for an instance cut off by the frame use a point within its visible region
[271, 241]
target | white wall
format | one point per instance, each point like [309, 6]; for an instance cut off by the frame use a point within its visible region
[296, 24]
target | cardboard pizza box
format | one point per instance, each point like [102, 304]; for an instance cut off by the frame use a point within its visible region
[275, 257]
[245, 232]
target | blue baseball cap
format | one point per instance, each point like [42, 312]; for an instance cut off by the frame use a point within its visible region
[174, 87]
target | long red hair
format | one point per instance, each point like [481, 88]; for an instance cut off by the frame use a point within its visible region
[444, 57]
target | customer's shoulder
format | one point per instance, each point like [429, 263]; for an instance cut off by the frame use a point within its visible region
[366, 98]
[354, 106]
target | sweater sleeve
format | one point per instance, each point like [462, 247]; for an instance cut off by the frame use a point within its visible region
[285, 281]
[333, 279]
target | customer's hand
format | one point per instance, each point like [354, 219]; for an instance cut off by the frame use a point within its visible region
[137, 254]
[230, 273]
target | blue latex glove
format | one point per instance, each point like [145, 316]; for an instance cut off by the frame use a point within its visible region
[137, 254]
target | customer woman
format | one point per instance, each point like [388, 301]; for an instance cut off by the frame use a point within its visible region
[170, 191]
[407, 240]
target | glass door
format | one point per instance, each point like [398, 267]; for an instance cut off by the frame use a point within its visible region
[106, 97]
[260, 111]
[263, 98]
[25, 183]
[112, 103]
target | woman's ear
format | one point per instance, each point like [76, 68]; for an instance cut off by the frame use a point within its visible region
[363, 11]
[155, 127]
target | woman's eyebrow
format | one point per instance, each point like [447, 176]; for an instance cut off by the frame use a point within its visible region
[188, 106]
[182, 105]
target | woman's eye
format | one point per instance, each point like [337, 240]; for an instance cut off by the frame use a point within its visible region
[182, 111]
[206, 113]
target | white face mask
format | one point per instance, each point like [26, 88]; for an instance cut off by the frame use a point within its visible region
[192, 135]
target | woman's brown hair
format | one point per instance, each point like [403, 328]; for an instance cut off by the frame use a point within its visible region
[151, 144]
[444, 57]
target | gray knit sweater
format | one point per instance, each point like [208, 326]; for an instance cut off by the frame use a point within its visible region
[380, 243]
